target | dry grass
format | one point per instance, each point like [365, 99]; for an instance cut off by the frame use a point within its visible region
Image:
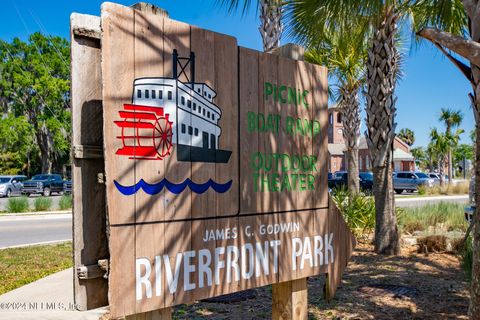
[447, 189]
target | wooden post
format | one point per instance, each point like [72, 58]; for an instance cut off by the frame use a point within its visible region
[289, 299]
[162, 314]
[90, 242]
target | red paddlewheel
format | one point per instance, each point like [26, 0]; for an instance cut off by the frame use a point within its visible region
[162, 136]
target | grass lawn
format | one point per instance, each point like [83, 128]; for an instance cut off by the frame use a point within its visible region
[19, 266]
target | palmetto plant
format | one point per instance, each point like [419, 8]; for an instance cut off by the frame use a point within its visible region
[407, 136]
[315, 18]
[271, 11]
[451, 119]
[345, 55]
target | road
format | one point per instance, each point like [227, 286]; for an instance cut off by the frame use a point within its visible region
[23, 230]
[31, 199]
[404, 202]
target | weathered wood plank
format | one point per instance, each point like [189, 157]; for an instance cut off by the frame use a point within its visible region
[118, 56]
[89, 215]
[226, 86]
[118, 52]
[249, 92]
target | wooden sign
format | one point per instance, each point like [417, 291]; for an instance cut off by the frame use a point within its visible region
[216, 165]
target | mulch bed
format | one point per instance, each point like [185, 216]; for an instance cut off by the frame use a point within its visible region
[409, 286]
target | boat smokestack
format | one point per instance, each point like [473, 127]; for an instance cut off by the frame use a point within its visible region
[192, 68]
[175, 63]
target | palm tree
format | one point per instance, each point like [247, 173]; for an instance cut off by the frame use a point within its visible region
[315, 18]
[345, 60]
[420, 156]
[451, 119]
[440, 144]
[271, 12]
[407, 136]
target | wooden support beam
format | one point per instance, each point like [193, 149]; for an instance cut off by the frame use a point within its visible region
[162, 314]
[289, 300]
[89, 209]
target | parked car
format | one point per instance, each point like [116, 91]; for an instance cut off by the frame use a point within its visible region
[11, 185]
[341, 179]
[331, 180]
[410, 181]
[470, 209]
[43, 184]
[67, 187]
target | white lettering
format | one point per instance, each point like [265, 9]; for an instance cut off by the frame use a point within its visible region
[317, 250]
[143, 279]
[172, 279]
[247, 274]
[232, 263]
[261, 258]
[329, 247]
[307, 253]
[219, 264]
[296, 252]
[204, 261]
[188, 268]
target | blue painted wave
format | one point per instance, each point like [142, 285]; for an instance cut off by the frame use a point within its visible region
[175, 188]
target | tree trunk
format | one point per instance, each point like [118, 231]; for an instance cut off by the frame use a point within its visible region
[387, 239]
[450, 167]
[353, 172]
[271, 26]
[382, 69]
[43, 141]
[441, 170]
[474, 309]
[349, 106]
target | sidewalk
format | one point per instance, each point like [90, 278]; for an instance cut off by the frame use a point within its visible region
[50, 298]
[38, 213]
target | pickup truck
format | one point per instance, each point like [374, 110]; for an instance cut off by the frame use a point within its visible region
[43, 184]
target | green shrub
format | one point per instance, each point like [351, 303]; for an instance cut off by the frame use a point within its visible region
[42, 204]
[15, 205]
[65, 202]
[357, 210]
[422, 190]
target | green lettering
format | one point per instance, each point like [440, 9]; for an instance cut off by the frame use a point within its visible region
[304, 99]
[255, 182]
[274, 182]
[261, 122]
[251, 125]
[311, 182]
[289, 125]
[267, 90]
[282, 89]
[303, 181]
[256, 162]
[286, 183]
[292, 96]
[316, 128]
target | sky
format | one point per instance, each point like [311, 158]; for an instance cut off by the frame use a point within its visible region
[430, 81]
